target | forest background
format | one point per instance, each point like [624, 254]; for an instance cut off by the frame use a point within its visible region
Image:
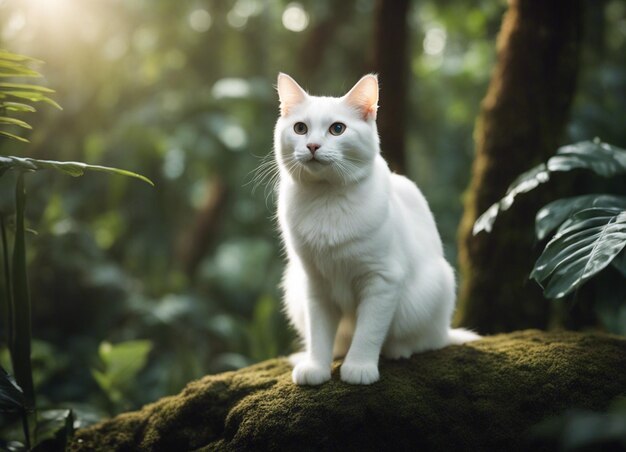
[182, 279]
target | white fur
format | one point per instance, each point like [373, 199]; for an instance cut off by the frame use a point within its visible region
[366, 273]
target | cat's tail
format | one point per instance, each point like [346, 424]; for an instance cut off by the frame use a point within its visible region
[458, 336]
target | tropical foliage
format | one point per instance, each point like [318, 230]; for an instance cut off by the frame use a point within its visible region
[590, 229]
[182, 92]
[18, 393]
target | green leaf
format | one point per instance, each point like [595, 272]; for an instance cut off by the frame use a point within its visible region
[33, 97]
[16, 163]
[585, 244]
[553, 214]
[526, 182]
[11, 395]
[72, 168]
[14, 122]
[601, 158]
[27, 87]
[122, 362]
[18, 107]
[13, 136]
[12, 65]
[54, 429]
[20, 343]
[12, 69]
[11, 56]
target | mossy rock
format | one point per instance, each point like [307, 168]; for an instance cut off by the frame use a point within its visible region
[485, 395]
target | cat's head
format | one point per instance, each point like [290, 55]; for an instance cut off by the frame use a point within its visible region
[331, 139]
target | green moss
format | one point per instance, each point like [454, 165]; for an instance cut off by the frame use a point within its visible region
[481, 396]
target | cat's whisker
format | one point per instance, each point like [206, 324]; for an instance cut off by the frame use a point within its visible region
[293, 167]
[353, 159]
[264, 173]
[346, 170]
[341, 169]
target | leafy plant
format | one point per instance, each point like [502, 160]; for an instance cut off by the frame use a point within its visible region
[590, 229]
[12, 400]
[17, 98]
[120, 365]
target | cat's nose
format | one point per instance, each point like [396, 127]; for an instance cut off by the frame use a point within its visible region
[313, 147]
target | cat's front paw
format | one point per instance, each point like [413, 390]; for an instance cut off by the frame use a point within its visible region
[359, 374]
[310, 373]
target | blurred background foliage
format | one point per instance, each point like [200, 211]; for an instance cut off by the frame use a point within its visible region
[182, 92]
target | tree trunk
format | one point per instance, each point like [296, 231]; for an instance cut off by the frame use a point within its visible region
[391, 63]
[522, 119]
[195, 242]
[323, 34]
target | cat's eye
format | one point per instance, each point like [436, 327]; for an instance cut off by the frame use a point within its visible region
[300, 128]
[337, 128]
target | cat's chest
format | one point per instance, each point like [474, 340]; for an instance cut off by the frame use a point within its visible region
[333, 222]
[325, 223]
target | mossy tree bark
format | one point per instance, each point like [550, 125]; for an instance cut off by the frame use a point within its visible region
[521, 122]
[392, 64]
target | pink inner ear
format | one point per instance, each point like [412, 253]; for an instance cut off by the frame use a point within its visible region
[364, 96]
[289, 93]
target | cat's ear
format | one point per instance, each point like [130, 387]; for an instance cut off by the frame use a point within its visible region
[364, 96]
[289, 93]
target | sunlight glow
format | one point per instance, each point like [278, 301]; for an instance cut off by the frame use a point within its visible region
[235, 19]
[14, 25]
[435, 41]
[60, 21]
[200, 20]
[51, 10]
[233, 136]
[231, 87]
[53, 7]
[295, 18]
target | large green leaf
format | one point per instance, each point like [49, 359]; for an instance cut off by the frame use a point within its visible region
[553, 214]
[72, 168]
[601, 158]
[585, 244]
[524, 183]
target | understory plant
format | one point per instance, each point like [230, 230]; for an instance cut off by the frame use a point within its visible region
[17, 393]
[588, 232]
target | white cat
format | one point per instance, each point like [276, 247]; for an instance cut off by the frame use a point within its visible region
[366, 273]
